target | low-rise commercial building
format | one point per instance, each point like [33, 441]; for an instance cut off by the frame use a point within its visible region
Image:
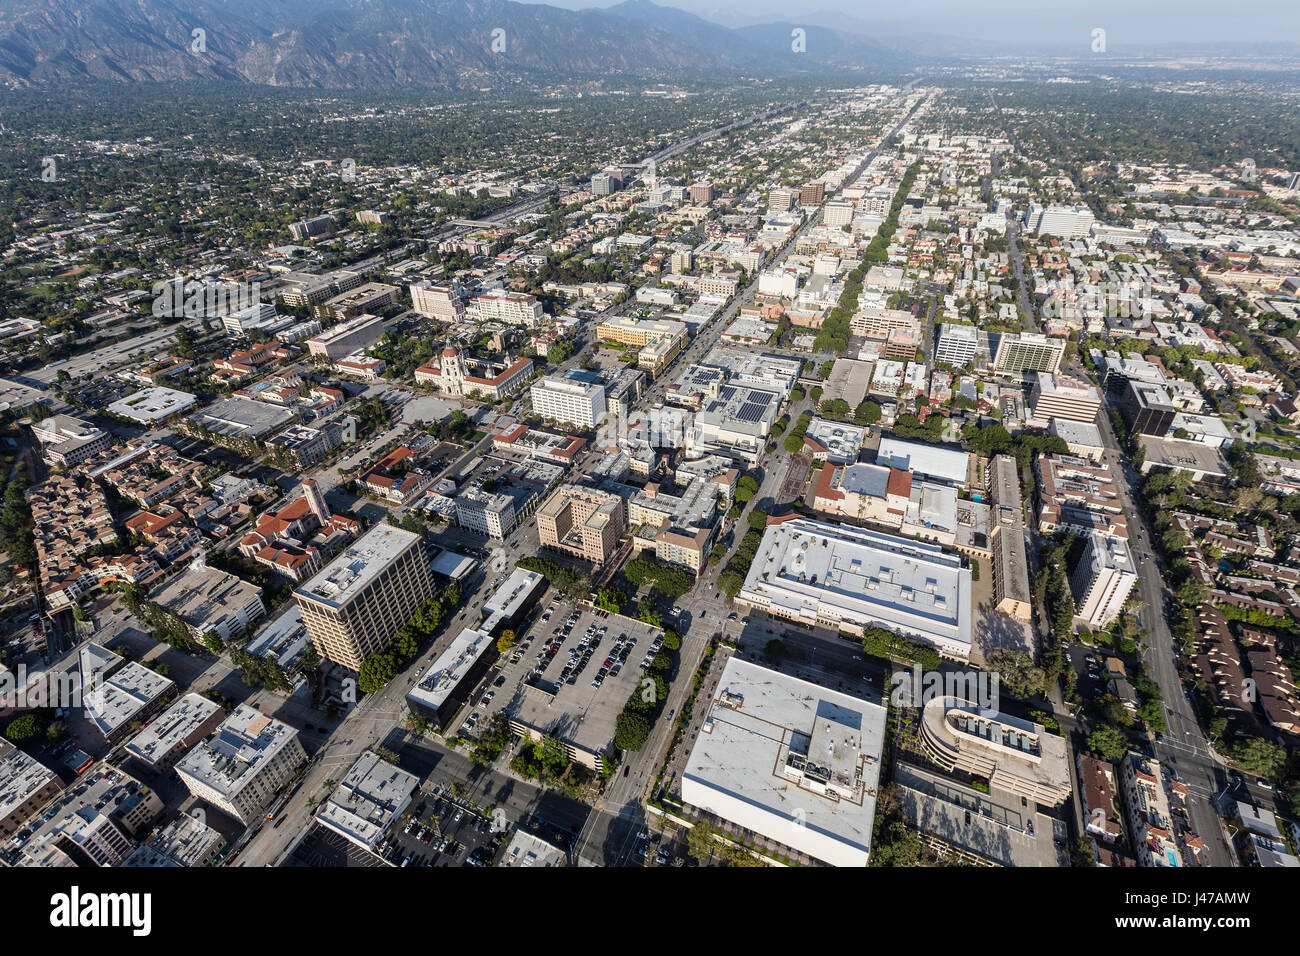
[241, 768]
[791, 761]
[852, 579]
[212, 601]
[174, 732]
[371, 796]
[26, 785]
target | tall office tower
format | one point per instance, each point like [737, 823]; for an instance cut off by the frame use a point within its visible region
[356, 603]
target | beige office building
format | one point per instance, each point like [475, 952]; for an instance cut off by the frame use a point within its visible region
[241, 768]
[355, 605]
[582, 522]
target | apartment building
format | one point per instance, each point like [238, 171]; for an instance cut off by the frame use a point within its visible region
[354, 606]
[1028, 351]
[957, 344]
[701, 192]
[1102, 580]
[242, 767]
[782, 199]
[837, 214]
[877, 323]
[512, 308]
[812, 194]
[584, 522]
[1150, 815]
[1077, 495]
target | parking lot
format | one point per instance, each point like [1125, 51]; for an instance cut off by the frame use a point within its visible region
[569, 674]
[440, 830]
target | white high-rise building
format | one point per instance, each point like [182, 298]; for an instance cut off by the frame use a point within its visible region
[512, 308]
[1102, 580]
[837, 213]
[578, 401]
[1067, 222]
[957, 344]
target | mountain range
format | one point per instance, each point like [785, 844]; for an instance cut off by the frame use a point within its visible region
[435, 44]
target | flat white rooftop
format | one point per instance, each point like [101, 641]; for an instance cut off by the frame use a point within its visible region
[524, 849]
[171, 727]
[837, 575]
[927, 461]
[372, 795]
[790, 759]
[513, 594]
[115, 701]
[20, 777]
[345, 576]
[450, 669]
[232, 756]
[152, 404]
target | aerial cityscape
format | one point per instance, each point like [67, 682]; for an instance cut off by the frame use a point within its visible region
[635, 437]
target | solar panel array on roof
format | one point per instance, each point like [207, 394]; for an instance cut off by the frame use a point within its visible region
[752, 411]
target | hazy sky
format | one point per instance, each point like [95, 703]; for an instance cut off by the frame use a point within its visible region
[1047, 22]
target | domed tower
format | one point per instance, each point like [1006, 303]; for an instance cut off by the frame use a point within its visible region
[453, 372]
